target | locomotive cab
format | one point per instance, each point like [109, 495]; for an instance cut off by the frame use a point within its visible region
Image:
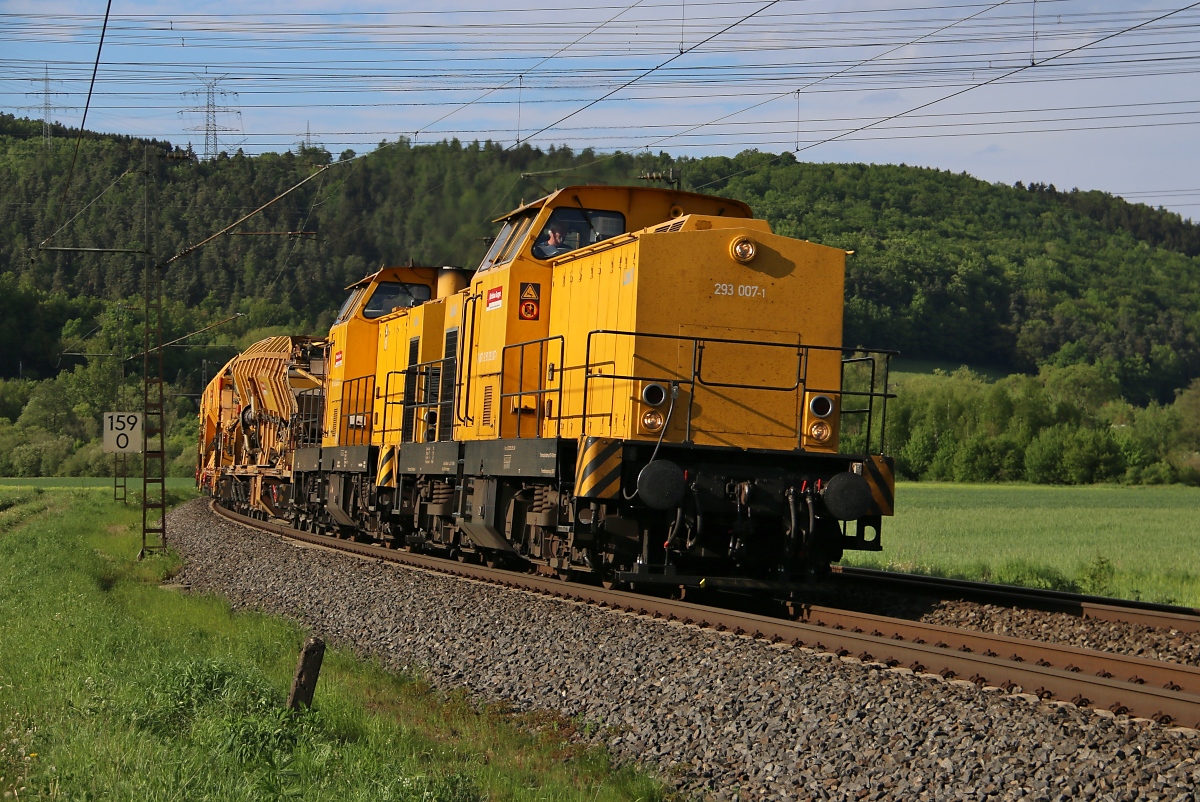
[517, 338]
[353, 352]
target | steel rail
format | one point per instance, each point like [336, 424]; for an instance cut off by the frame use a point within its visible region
[1141, 670]
[1136, 695]
[1162, 616]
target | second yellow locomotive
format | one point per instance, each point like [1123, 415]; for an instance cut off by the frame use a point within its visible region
[645, 386]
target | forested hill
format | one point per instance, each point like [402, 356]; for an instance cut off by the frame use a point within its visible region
[946, 266]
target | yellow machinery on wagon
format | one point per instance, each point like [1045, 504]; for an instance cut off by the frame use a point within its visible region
[261, 406]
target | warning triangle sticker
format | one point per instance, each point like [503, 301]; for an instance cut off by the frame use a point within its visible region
[529, 292]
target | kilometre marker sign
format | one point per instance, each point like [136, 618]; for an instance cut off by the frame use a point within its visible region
[122, 432]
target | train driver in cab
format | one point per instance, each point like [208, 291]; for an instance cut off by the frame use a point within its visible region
[569, 229]
[552, 242]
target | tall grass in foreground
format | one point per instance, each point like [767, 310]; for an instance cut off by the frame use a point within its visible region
[114, 688]
[1128, 542]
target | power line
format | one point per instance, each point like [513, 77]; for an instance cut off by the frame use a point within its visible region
[636, 78]
[951, 123]
[555, 54]
[773, 127]
[1161, 63]
[82, 123]
[889, 118]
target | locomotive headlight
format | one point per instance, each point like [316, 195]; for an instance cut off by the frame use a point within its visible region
[743, 249]
[820, 431]
[820, 405]
[652, 419]
[654, 394]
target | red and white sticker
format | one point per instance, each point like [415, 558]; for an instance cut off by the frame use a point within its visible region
[495, 298]
[337, 359]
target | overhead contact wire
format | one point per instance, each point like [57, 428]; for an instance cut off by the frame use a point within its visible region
[813, 83]
[963, 91]
[637, 78]
[588, 105]
[86, 207]
[523, 73]
[74, 156]
[831, 76]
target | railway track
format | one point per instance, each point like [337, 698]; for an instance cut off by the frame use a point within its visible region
[1168, 693]
[1162, 616]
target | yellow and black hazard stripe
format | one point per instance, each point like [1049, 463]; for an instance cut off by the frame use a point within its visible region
[598, 470]
[881, 476]
[386, 475]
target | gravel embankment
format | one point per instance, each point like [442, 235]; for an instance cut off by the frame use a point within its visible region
[725, 715]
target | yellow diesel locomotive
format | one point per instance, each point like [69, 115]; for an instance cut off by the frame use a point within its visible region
[643, 386]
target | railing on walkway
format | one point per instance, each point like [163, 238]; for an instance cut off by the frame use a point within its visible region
[878, 362]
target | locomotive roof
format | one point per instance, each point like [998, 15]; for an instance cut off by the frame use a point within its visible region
[367, 279]
[675, 193]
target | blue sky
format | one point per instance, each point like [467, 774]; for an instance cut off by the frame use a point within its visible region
[1119, 113]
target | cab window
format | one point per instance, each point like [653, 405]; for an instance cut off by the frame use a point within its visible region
[570, 228]
[392, 295]
[515, 241]
[497, 245]
[505, 246]
[350, 304]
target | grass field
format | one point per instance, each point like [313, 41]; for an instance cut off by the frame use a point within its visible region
[1130, 542]
[114, 688]
[46, 482]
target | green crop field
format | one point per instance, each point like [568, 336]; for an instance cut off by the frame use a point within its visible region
[134, 483]
[1130, 542]
[114, 688]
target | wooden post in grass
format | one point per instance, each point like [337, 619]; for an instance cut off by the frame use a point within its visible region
[308, 668]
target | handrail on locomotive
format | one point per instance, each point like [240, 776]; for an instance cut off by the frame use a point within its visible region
[547, 373]
[856, 356]
[423, 380]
